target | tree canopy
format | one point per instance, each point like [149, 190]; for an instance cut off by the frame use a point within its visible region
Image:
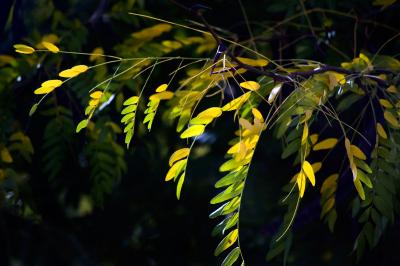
[199, 133]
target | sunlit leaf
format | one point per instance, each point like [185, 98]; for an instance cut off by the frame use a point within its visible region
[309, 172]
[357, 152]
[164, 95]
[23, 49]
[305, 134]
[178, 155]
[52, 83]
[96, 94]
[51, 47]
[211, 112]
[44, 90]
[81, 125]
[236, 103]
[175, 170]
[162, 88]
[131, 100]
[257, 114]
[179, 186]
[228, 241]
[193, 131]
[250, 85]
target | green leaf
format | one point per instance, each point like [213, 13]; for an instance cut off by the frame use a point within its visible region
[81, 125]
[179, 186]
[232, 257]
[33, 109]
[231, 192]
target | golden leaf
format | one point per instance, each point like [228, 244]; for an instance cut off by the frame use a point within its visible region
[193, 131]
[325, 144]
[44, 90]
[309, 172]
[51, 47]
[178, 155]
[357, 152]
[52, 83]
[257, 114]
[162, 87]
[253, 62]
[96, 94]
[250, 85]
[236, 103]
[23, 49]
[164, 95]
[210, 112]
[381, 131]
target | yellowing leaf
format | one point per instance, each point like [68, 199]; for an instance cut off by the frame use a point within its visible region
[301, 183]
[359, 188]
[6, 156]
[314, 138]
[236, 103]
[131, 100]
[253, 62]
[211, 112]
[193, 131]
[228, 241]
[179, 154]
[96, 94]
[349, 152]
[250, 85]
[80, 68]
[389, 117]
[305, 134]
[357, 152]
[325, 144]
[51, 47]
[392, 89]
[257, 114]
[164, 95]
[316, 166]
[381, 131]
[175, 170]
[162, 87]
[23, 49]
[52, 83]
[179, 186]
[171, 44]
[309, 172]
[98, 52]
[385, 103]
[203, 120]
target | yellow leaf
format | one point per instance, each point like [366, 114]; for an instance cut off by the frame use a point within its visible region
[152, 32]
[51, 47]
[257, 114]
[94, 102]
[314, 138]
[330, 181]
[179, 186]
[162, 87]
[210, 112]
[52, 38]
[68, 73]
[172, 44]
[6, 156]
[44, 90]
[80, 68]
[357, 152]
[325, 144]
[391, 119]
[193, 131]
[177, 155]
[349, 152]
[52, 83]
[381, 131]
[301, 183]
[175, 170]
[203, 120]
[23, 49]
[308, 170]
[96, 94]
[305, 134]
[250, 85]
[228, 241]
[385, 103]
[316, 166]
[253, 62]
[392, 89]
[98, 52]
[164, 95]
[236, 103]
